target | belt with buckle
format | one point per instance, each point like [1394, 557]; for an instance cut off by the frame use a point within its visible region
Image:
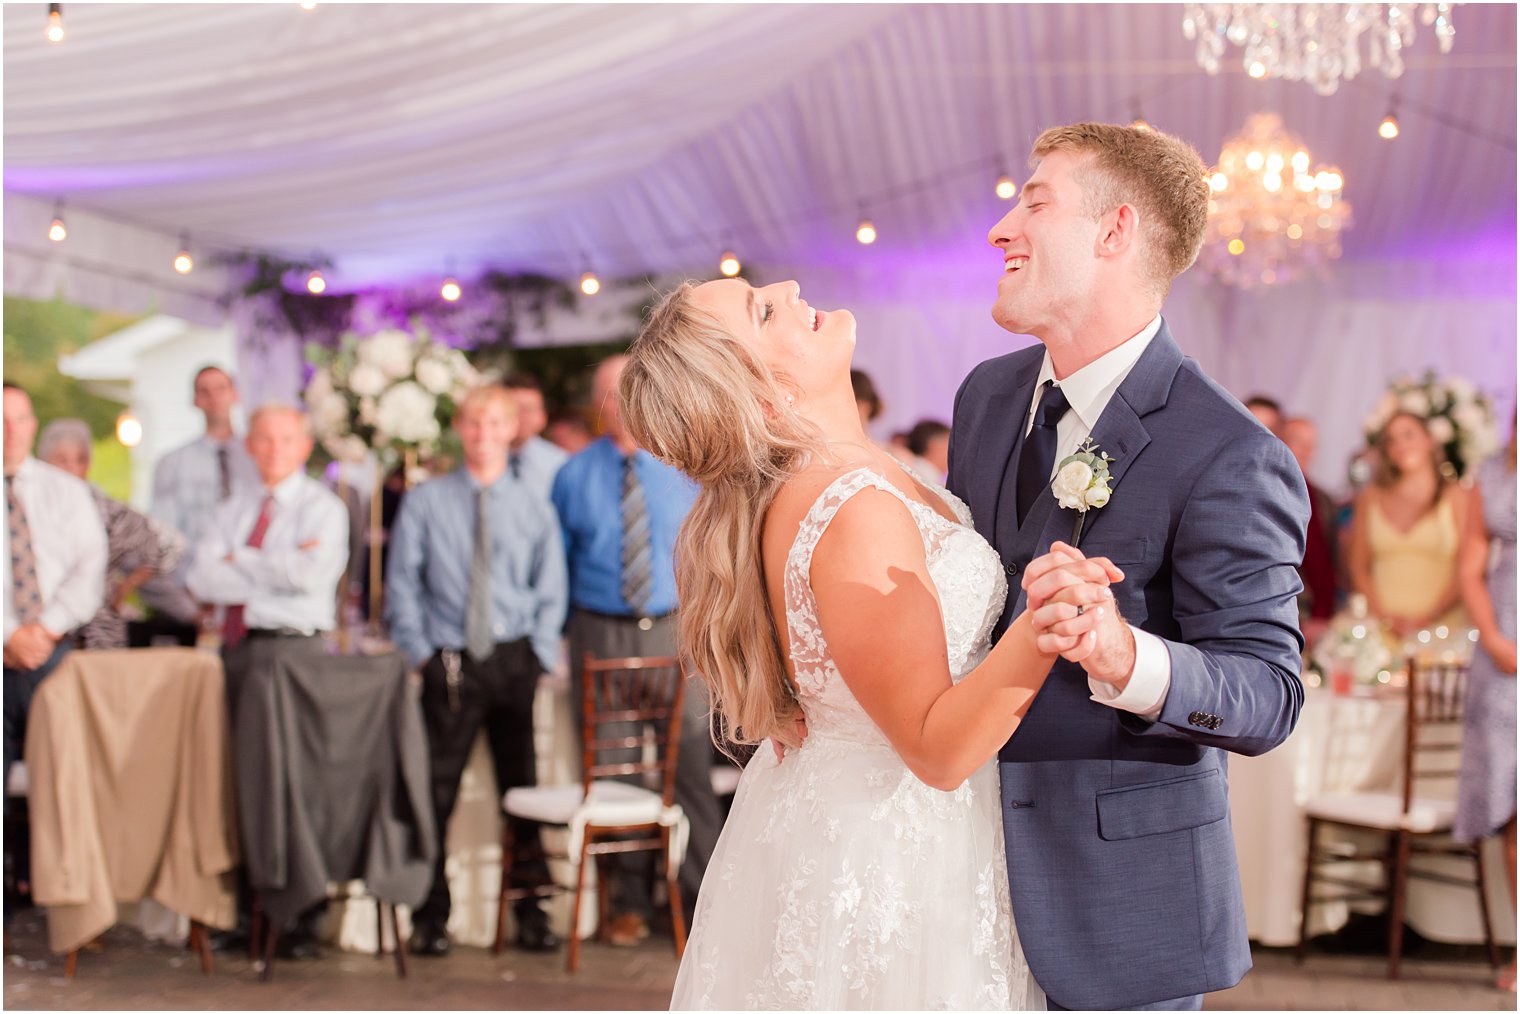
[642, 622]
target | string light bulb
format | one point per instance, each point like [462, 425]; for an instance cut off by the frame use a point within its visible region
[865, 232]
[728, 264]
[308, 5]
[56, 230]
[129, 430]
[55, 23]
[590, 285]
[315, 283]
[1006, 188]
[1388, 129]
[450, 290]
[183, 262]
[1141, 123]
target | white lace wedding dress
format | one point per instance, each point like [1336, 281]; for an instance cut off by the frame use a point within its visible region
[841, 881]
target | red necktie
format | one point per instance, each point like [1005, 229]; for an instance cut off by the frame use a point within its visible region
[233, 627]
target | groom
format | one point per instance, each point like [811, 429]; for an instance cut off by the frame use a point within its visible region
[1115, 806]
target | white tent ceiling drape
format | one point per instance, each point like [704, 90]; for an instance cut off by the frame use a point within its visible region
[403, 140]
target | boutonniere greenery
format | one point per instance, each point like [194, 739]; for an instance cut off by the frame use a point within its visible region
[1082, 483]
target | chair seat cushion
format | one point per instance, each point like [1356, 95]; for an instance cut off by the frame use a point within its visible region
[609, 804]
[725, 779]
[1384, 810]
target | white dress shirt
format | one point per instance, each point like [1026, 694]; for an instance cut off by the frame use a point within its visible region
[188, 480]
[69, 542]
[1088, 391]
[291, 580]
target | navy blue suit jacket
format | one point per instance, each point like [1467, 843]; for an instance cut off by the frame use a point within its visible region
[1120, 855]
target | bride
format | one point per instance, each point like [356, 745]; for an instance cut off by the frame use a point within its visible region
[863, 867]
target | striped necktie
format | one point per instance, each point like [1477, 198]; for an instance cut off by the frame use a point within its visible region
[27, 589]
[479, 641]
[637, 578]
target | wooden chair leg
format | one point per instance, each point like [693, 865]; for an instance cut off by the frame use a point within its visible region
[573, 957]
[380, 929]
[1396, 905]
[70, 963]
[400, 950]
[1305, 901]
[271, 935]
[603, 898]
[1488, 925]
[200, 941]
[507, 844]
[673, 889]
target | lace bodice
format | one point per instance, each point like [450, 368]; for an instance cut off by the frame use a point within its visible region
[965, 570]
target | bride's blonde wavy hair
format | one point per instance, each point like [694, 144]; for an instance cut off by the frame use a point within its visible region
[697, 398]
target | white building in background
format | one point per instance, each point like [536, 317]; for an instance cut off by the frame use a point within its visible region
[151, 366]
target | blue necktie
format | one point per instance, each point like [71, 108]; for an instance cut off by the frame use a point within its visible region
[1038, 456]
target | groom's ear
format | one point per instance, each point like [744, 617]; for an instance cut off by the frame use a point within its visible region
[1118, 231]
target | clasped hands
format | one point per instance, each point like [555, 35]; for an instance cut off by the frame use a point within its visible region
[1072, 610]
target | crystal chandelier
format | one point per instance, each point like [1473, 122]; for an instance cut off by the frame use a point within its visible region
[1271, 216]
[1317, 43]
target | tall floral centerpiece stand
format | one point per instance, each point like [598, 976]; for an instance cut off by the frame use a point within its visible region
[392, 395]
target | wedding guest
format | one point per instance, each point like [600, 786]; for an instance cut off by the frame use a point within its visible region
[1406, 530]
[1486, 789]
[531, 458]
[620, 510]
[929, 442]
[568, 430]
[138, 547]
[476, 597]
[1267, 412]
[188, 485]
[55, 565]
[1318, 601]
[272, 555]
[866, 398]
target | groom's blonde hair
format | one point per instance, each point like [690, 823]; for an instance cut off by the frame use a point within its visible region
[1161, 176]
[698, 398]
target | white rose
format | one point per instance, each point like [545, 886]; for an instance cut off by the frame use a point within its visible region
[1470, 416]
[1070, 484]
[1099, 494]
[348, 449]
[391, 352]
[1416, 402]
[405, 413]
[465, 374]
[328, 413]
[319, 387]
[367, 380]
[1441, 429]
[434, 375]
[1461, 389]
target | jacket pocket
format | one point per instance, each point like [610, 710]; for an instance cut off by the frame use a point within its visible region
[1136, 811]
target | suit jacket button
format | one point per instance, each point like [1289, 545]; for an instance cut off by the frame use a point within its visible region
[1215, 722]
[1012, 569]
[1196, 718]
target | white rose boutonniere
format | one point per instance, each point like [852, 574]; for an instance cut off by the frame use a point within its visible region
[1082, 483]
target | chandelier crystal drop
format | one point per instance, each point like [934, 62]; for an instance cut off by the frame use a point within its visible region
[1272, 214]
[1317, 43]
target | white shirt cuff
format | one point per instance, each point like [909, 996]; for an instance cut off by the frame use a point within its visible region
[1148, 684]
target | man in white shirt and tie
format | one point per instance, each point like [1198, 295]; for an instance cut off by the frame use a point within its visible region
[272, 556]
[188, 485]
[55, 564]
[531, 458]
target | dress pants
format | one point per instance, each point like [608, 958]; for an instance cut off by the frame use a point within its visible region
[497, 693]
[20, 685]
[617, 637]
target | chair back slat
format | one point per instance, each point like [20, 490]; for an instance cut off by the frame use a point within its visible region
[631, 720]
[1433, 723]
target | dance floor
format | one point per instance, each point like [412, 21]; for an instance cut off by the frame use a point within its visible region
[131, 973]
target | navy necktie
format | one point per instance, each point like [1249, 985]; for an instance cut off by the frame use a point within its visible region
[1038, 456]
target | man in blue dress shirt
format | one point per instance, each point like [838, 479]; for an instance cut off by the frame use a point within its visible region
[623, 601]
[531, 458]
[475, 595]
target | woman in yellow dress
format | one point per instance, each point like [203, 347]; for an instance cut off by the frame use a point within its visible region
[1406, 532]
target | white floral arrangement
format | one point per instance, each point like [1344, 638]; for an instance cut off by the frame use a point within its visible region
[1460, 418]
[388, 392]
[1081, 483]
[1354, 641]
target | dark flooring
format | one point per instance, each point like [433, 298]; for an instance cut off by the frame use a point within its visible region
[131, 973]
